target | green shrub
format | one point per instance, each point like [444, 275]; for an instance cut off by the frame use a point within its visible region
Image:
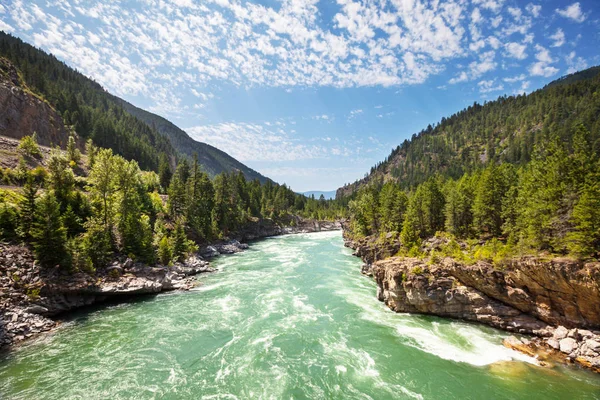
[28, 147]
[418, 270]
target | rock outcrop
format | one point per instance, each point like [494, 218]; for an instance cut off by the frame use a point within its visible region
[22, 113]
[410, 285]
[31, 296]
[578, 346]
[527, 295]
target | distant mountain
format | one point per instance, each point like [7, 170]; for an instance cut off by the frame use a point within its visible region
[328, 195]
[504, 130]
[111, 122]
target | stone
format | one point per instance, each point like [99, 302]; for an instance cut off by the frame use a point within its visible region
[36, 309]
[128, 263]
[560, 333]
[553, 343]
[568, 345]
[593, 345]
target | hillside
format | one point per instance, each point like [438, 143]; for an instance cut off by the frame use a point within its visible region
[110, 121]
[213, 160]
[504, 130]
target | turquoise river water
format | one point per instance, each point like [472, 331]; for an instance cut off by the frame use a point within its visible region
[290, 318]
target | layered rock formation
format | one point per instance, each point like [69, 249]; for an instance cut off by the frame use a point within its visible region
[22, 113]
[528, 295]
[30, 296]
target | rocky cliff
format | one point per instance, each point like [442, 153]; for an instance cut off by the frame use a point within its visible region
[30, 296]
[528, 295]
[22, 113]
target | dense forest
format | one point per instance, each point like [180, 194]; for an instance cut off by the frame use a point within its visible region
[79, 212]
[506, 130]
[518, 175]
[130, 192]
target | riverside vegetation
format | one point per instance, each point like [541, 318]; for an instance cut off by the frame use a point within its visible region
[493, 216]
[105, 204]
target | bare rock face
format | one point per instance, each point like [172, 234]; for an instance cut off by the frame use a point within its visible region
[31, 296]
[410, 285]
[22, 113]
[557, 291]
[371, 249]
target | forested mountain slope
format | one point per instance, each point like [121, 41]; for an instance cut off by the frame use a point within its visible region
[213, 160]
[108, 120]
[504, 130]
[519, 175]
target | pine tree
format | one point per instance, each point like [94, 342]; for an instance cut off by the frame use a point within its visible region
[73, 153]
[164, 172]
[27, 208]
[584, 240]
[49, 236]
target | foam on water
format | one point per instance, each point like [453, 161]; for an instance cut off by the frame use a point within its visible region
[290, 318]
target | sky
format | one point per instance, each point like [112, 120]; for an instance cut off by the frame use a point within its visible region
[311, 93]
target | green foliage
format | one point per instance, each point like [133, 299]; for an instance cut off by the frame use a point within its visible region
[49, 236]
[164, 252]
[61, 178]
[97, 242]
[90, 150]
[584, 240]
[73, 153]
[28, 147]
[551, 204]
[9, 218]
[27, 209]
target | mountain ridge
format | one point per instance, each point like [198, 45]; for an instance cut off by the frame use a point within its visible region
[111, 122]
[506, 130]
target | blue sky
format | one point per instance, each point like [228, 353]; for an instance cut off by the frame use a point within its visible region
[311, 93]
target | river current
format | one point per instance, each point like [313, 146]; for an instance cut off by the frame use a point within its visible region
[290, 318]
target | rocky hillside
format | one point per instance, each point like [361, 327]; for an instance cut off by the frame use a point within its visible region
[505, 131]
[22, 113]
[528, 295]
[65, 95]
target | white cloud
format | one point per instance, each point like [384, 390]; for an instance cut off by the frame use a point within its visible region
[572, 12]
[575, 63]
[255, 142]
[543, 65]
[354, 113]
[514, 79]
[534, 9]
[489, 86]
[558, 38]
[516, 50]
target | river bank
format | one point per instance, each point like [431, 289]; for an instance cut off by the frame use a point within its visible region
[32, 300]
[290, 318]
[557, 301]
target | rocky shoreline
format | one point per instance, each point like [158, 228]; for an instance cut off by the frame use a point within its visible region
[33, 299]
[556, 301]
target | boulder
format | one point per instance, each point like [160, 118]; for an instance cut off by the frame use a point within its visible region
[560, 333]
[553, 343]
[568, 345]
[36, 309]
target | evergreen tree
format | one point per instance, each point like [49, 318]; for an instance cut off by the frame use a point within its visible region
[164, 172]
[73, 153]
[27, 209]
[49, 237]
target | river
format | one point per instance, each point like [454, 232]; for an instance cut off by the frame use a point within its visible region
[291, 317]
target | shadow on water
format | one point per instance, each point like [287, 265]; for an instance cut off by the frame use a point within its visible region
[81, 314]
